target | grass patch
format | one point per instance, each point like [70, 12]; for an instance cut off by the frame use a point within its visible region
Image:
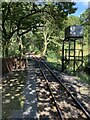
[53, 63]
[83, 76]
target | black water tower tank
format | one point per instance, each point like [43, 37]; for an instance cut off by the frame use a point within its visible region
[74, 31]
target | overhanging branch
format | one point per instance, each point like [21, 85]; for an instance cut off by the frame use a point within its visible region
[22, 18]
[29, 30]
[25, 31]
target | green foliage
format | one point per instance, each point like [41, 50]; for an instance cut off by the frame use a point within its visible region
[85, 20]
[21, 17]
[40, 28]
[51, 54]
[73, 20]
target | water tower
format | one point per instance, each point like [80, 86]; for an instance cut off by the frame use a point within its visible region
[72, 48]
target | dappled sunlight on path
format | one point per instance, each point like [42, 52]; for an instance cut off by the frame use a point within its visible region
[19, 94]
[12, 93]
[30, 105]
[78, 88]
[0, 100]
[25, 95]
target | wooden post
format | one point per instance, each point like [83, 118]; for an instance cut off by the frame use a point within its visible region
[69, 48]
[82, 51]
[63, 56]
[74, 55]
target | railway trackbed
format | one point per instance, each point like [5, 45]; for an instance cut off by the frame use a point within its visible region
[55, 100]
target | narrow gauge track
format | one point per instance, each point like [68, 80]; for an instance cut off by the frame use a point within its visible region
[76, 104]
[54, 99]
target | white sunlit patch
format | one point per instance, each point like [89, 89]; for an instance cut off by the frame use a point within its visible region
[0, 87]
[32, 91]
[12, 97]
[8, 94]
[27, 111]
[11, 84]
[17, 94]
[7, 101]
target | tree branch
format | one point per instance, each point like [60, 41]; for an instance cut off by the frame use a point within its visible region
[22, 18]
[3, 20]
[25, 31]
[11, 34]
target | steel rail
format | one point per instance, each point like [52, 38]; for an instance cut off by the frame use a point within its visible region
[55, 102]
[75, 100]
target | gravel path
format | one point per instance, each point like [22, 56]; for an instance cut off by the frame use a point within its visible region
[29, 109]
[0, 101]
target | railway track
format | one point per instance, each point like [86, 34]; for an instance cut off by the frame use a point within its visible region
[63, 100]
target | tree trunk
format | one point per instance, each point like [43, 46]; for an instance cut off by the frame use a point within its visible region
[88, 46]
[45, 49]
[6, 52]
[3, 51]
[6, 49]
[45, 44]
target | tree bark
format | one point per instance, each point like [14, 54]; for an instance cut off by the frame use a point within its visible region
[45, 49]
[6, 51]
[45, 44]
[89, 46]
